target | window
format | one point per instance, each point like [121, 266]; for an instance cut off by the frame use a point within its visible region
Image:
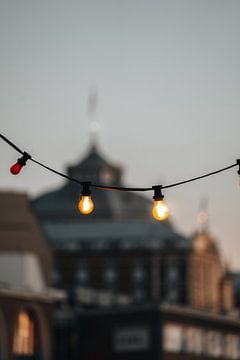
[82, 276]
[23, 342]
[231, 346]
[193, 340]
[172, 337]
[213, 343]
[196, 340]
[139, 282]
[110, 275]
[138, 274]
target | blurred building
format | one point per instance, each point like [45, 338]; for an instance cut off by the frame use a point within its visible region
[121, 249]
[160, 332]
[26, 300]
[235, 277]
[135, 287]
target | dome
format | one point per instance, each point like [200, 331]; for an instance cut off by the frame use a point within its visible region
[204, 242]
[117, 214]
[115, 205]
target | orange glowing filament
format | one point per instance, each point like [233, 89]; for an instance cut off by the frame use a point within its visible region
[160, 210]
[86, 205]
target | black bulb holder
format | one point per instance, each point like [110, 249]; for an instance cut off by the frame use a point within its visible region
[157, 192]
[22, 161]
[238, 163]
[86, 188]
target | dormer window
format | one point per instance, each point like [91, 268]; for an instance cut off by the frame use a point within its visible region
[106, 176]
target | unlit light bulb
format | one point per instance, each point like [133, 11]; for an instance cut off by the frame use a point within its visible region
[86, 205]
[160, 210]
[16, 168]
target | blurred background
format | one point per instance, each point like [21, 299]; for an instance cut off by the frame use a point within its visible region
[167, 77]
[155, 86]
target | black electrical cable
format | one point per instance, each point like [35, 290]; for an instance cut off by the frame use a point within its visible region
[56, 172]
[11, 144]
[200, 177]
[119, 188]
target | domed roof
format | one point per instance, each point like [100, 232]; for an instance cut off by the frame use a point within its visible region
[96, 169]
[204, 242]
[58, 210]
[117, 205]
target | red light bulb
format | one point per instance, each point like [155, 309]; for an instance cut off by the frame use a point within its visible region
[16, 168]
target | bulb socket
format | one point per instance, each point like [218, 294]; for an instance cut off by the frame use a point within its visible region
[22, 161]
[86, 188]
[157, 192]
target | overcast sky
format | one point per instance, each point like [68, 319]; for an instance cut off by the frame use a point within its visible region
[168, 80]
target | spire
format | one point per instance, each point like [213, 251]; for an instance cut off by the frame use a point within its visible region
[203, 217]
[94, 126]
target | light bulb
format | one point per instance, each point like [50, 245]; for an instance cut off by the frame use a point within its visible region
[86, 205]
[160, 210]
[16, 168]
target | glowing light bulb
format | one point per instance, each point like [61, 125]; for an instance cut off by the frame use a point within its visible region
[160, 210]
[16, 168]
[86, 205]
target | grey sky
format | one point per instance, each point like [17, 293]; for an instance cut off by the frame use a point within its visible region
[168, 79]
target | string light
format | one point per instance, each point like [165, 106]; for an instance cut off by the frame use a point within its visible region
[160, 210]
[86, 205]
[17, 167]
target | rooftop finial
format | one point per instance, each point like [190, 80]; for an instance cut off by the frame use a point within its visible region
[91, 112]
[203, 218]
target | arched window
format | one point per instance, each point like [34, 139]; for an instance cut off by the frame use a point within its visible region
[23, 342]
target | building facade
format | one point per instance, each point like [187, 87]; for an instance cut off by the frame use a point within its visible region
[26, 299]
[165, 332]
[26, 325]
[120, 248]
